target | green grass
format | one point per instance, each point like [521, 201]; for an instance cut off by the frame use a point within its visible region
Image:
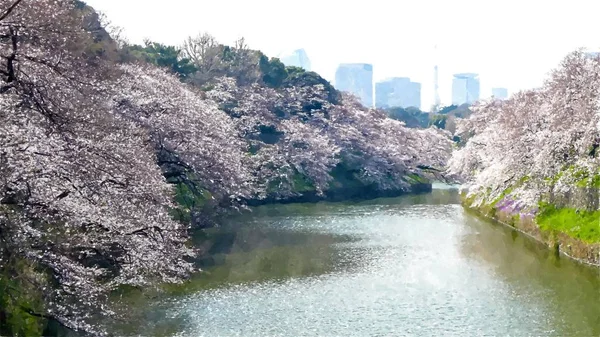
[416, 179]
[583, 225]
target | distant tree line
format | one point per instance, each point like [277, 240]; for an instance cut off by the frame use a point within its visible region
[444, 119]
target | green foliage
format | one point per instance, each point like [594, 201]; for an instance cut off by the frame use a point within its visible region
[576, 223]
[293, 70]
[439, 121]
[187, 200]
[228, 54]
[416, 179]
[269, 134]
[298, 77]
[346, 176]
[79, 4]
[445, 110]
[18, 299]
[161, 55]
[274, 72]
[411, 116]
[593, 150]
[462, 111]
[581, 177]
[584, 179]
[301, 183]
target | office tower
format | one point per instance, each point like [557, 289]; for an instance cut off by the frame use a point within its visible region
[465, 88]
[499, 93]
[383, 93]
[296, 58]
[397, 92]
[356, 78]
[413, 97]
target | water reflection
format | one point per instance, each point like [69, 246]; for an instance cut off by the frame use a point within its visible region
[568, 292]
[416, 265]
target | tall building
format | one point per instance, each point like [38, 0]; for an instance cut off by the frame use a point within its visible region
[296, 58]
[397, 92]
[383, 92]
[592, 54]
[356, 78]
[465, 88]
[413, 97]
[500, 93]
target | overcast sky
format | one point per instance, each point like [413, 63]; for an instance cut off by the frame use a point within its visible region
[510, 43]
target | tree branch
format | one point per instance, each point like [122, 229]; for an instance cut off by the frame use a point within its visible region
[9, 10]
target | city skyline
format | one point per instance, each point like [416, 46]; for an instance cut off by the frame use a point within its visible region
[397, 92]
[403, 92]
[519, 56]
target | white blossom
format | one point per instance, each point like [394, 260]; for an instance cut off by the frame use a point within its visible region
[537, 140]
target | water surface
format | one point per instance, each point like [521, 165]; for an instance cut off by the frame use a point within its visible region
[415, 265]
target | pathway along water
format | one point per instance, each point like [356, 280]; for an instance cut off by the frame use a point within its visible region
[415, 265]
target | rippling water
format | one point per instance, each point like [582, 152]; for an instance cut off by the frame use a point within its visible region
[417, 266]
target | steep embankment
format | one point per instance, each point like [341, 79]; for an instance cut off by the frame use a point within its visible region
[533, 162]
[568, 223]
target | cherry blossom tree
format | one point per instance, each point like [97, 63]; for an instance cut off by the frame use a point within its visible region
[80, 192]
[538, 141]
[188, 132]
[309, 135]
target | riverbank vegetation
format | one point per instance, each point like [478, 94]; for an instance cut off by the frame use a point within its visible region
[536, 156]
[110, 153]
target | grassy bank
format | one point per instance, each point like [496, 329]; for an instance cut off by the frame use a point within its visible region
[571, 231]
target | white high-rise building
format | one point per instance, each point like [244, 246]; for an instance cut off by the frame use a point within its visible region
[465, 88]
[356, 78]
[397, 92]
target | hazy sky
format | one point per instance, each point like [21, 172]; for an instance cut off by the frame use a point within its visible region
[510, 43]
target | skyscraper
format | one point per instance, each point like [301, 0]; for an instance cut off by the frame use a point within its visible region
[499, 93]
[296, 58]
[397, 92]
[465, 88]
[413, 97]
[356, 78]
[383, 92]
